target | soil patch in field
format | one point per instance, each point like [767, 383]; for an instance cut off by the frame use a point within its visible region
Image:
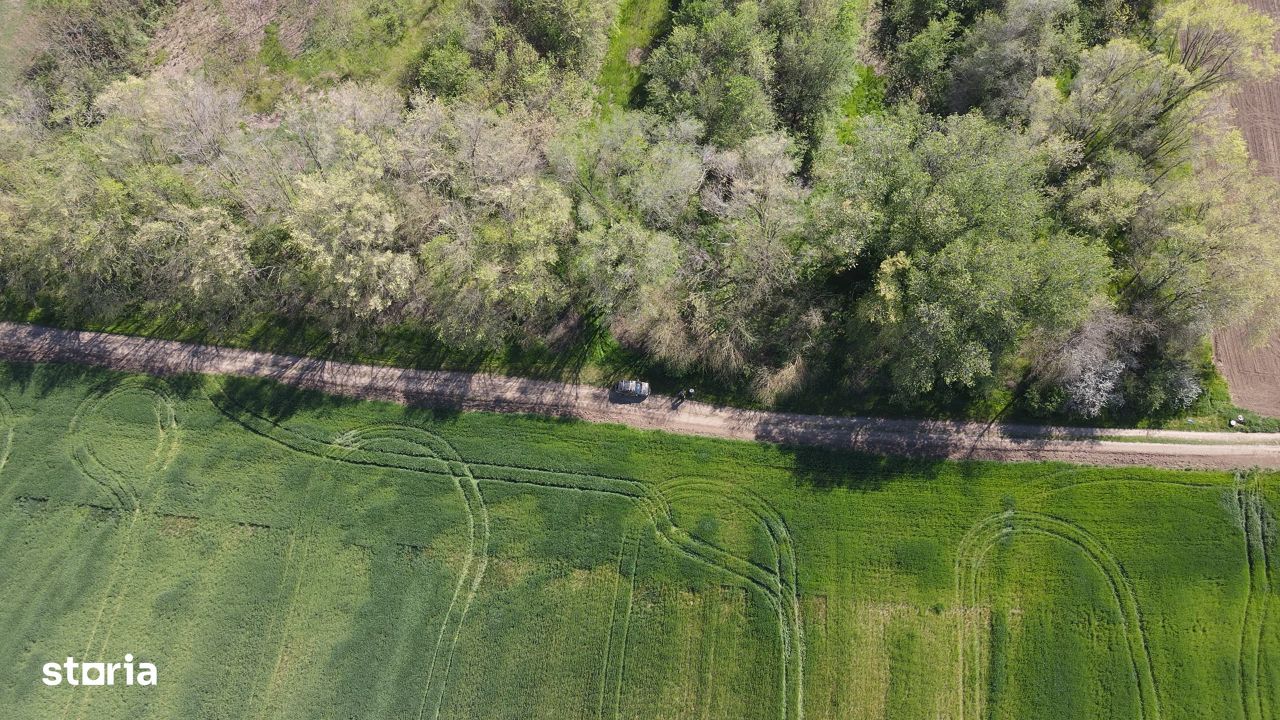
[1253, 373]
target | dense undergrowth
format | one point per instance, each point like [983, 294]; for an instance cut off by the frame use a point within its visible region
[1028, 209]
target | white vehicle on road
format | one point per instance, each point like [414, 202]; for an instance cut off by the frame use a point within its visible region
[633, 390]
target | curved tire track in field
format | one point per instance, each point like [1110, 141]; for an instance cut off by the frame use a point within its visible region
[616, 682]
[123, 489]
[350, 448]
[291, 580]
[607, 661]
[1253, 514]
[1252, 511]
[784, 592]
[1254, 623]
[429, 445]
[970, 558]
[656, 507]
[434, 455]
[7, 427]
[126, 493]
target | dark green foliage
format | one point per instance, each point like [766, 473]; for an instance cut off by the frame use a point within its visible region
[571, 31]
[716, 66]
[1032, 206]
[966, 262]
[742, 67]
[446, 71]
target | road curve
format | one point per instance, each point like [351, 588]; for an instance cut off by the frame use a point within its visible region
[482, 391]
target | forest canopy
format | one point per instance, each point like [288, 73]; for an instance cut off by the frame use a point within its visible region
[923, 199]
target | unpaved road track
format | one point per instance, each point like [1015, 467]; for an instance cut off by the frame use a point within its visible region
[478, 391]
[1253, 373]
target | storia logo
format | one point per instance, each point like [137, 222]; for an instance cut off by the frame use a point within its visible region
[97, 673]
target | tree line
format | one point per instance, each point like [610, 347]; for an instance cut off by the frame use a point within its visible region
[1051, 191]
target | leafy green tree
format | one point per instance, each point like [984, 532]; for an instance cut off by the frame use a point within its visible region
[715, 66]
[624, 269]
[634, 180]
[632, 165]
[491, 278]
[918, 68]
[572, 32]
[78, 48]
[1201, 252]
[1125, 97]
[319, 127]
[1218, 41]
[98, 240]
[917, 39]
[194, 261]
[952, 220]
[1004, 52]
[952, 317]
[447, 71]
[351, 264]
[491, 231]
[812, 67]
[742, 310]
[911, 182]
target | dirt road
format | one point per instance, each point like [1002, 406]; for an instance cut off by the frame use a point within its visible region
[1253, 372]
[478, 391]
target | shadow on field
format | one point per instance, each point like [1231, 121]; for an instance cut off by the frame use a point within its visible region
[860, 452]
[43, 379]
[826, 469]
[278, 402]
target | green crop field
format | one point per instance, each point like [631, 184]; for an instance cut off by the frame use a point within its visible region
[279, 554]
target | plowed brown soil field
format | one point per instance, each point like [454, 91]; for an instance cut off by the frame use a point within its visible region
[1253, 373]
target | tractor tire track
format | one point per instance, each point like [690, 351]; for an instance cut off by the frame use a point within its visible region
[655, 505]
[437, 457]
[607, 660]
[1252, 512]
[128, 498]
[970, 559]
[8, 426]
[626, 634]
[1257, 601]
[295, 570]
[649, 500]
[121, 489]
[784, 571]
